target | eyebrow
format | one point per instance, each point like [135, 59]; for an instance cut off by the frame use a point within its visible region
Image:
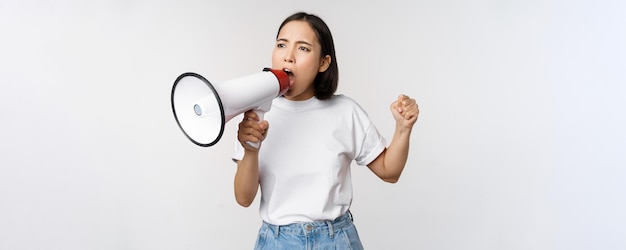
[286, 40]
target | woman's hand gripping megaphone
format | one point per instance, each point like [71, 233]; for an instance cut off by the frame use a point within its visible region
[252, 129]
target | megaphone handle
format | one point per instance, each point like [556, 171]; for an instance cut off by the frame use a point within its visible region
[260, 112]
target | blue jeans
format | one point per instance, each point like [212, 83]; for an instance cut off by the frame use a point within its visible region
[319, 235]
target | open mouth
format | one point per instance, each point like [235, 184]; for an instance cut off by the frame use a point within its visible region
[291, 76]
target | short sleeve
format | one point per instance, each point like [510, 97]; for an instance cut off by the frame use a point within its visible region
[372, 145]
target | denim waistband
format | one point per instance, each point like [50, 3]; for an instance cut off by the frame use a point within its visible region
[314, 227]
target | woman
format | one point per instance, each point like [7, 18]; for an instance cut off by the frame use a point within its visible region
[303, 162]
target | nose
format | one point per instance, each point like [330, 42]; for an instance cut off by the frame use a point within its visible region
[288, 56]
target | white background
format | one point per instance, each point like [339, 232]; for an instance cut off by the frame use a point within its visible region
[520, 142]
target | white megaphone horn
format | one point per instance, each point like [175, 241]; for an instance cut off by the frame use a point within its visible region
[202, 109]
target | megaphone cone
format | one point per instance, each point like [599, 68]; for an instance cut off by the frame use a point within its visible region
[202, 109]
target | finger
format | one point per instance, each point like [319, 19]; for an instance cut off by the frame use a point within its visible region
[408, 102]
[399, 108]
[410, 115]
[250, 115]
[263, 125]
[413, 113]
[405, 102]
[408, 107]
[250, 136]
[250, 127]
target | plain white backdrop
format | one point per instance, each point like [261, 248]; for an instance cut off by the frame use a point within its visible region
[520, 142]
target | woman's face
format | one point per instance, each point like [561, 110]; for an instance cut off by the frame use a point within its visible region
[298, 52]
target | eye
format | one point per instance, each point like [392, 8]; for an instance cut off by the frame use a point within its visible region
[280, 45]
[304, 48]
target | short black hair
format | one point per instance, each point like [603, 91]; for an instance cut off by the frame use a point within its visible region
[325, 83]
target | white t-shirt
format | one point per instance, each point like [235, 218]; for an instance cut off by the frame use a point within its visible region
[304, 161]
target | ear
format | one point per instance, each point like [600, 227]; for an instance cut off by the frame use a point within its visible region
[325, 63]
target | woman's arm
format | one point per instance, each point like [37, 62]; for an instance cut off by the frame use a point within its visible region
[389, 164]
[247, 179]
[247, 175]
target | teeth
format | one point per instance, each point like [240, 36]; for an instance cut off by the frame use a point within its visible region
[287, 70]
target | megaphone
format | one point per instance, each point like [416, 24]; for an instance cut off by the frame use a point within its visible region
[202, 109]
